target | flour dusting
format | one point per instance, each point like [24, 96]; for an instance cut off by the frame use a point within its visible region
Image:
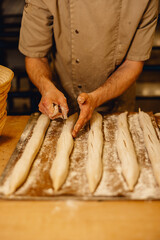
[112, 184]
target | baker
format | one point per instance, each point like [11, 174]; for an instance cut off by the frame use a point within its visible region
[98, 48]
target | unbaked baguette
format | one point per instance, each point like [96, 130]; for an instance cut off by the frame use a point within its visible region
[59, 169]
[151, 142]
[22, 167]
[95, 146]
[126, 152]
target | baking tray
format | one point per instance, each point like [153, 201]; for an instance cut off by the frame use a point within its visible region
[38, 185]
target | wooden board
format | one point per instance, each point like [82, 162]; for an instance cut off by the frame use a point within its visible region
[112, 186]
[11, 134]
[70, 220]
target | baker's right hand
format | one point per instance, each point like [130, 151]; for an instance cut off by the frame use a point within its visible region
[53, 103]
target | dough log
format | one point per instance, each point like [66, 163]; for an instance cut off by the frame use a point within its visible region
[22, 167]
[59, 169]
[126, 152]
[151, 142]
[95, 145]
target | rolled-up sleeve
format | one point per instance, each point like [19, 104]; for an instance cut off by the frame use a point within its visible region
[36, 29]
[141, 46]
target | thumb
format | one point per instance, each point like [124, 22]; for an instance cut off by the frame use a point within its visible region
[82, 98]
[64, 107]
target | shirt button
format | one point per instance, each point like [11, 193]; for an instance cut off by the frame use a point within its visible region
[76, 31]
[77, 60]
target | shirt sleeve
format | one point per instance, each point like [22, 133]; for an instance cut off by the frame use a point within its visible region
[141, 46]
[36, 29]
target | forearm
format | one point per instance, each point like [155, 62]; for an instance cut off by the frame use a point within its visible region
[39, 72]
[114, 86]
[118, 82]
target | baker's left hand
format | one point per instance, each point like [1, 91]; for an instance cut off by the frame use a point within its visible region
[87, 106]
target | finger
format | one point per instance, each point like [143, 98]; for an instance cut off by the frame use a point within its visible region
[54, 111]
[51, 109]
[42, 109]
[79, 124]
[64, 111]
[82, 98]
[59, 115]
[64, 107]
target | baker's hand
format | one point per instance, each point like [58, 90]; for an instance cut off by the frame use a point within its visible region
[53, 103]
[87, 106]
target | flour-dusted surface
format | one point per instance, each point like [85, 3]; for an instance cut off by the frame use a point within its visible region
[112, 185]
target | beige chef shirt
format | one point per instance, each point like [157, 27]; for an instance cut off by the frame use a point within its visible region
[91, 37]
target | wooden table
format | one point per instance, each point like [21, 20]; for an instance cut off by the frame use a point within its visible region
[67, 220]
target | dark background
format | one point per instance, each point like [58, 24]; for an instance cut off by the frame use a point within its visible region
[23, 97]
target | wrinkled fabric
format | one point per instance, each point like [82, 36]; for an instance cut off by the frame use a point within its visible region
[91, 37]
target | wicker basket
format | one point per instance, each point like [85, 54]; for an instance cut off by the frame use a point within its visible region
[6, 76]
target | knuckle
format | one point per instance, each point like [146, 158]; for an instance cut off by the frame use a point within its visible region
[89, 116]
[44, 102]
[62, 99]
[83, 95]
[65, 100]
[40, 105]
[41, 110]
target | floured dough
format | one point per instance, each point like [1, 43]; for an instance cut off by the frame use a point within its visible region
[151, 142]
[126, 152]
[95, 145]
[22, 167]
[59, 169]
